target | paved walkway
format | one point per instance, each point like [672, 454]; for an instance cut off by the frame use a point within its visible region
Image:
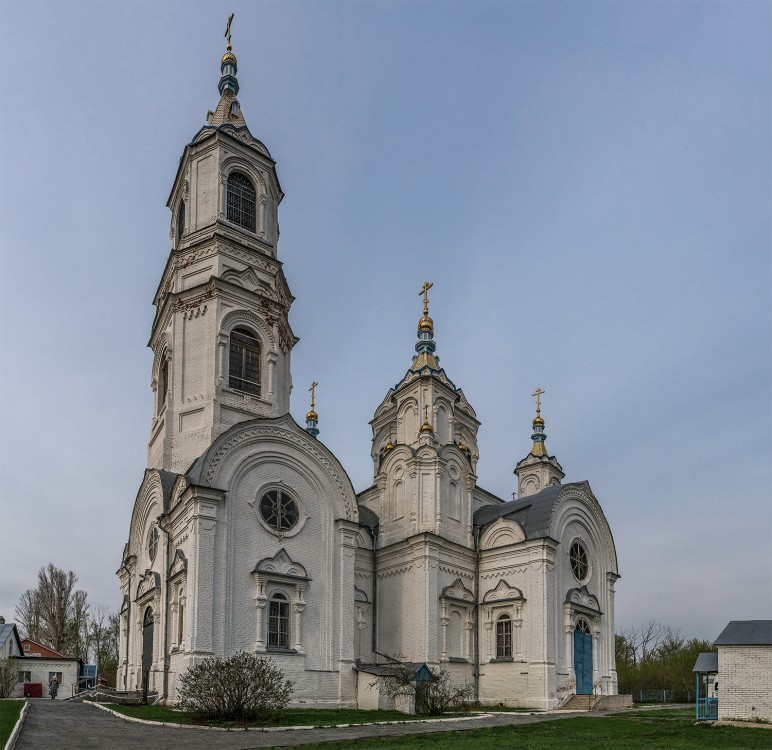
[62, 725]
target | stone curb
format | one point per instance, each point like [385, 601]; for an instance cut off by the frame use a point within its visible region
[748, 724]
[279, 729]
[17, 727]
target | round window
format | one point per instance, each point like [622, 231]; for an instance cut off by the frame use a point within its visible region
[578, 557]
[279, 510]
[152, 543]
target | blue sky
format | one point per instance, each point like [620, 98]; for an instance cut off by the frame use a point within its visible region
[587, 184]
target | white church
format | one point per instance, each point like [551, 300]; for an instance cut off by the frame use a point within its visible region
[247, 534]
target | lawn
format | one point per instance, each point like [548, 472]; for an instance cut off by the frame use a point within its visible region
[315, 717]
[9, 715]
[650, 730]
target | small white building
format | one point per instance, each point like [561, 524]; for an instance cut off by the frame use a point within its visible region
[10, 643]
[38, 664]
[744, 682]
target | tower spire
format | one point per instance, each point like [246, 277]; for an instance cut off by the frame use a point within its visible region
[425, 345]
[228, 65]
[312, 418]
[538, 470]
[539, 437]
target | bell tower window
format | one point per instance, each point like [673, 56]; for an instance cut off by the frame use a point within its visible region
[163, 383]
[181, 221]
[244, 362]
[242, 201]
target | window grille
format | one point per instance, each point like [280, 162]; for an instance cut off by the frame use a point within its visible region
[244, 362]
[278, 622]
[578, 557]
[241, 201]
[504, 637]
[279, 510]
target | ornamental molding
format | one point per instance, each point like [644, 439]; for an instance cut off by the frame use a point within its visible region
[237, 317]
[583, 495]
[583, 598]
[394, 571]
[502, 532]
[265, 432]
[503, 592]
[179, 564]
[505, 572]
[458, 592]
[149, 583]
[445, 568]
[281, 564]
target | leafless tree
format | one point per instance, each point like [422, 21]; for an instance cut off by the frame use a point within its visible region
[8, 673]
[54, 612]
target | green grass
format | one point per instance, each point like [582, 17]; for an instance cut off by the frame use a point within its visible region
[9, 715]
[644, 731]
[315, 717]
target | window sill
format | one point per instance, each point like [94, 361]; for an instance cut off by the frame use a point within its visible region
[278, 650]
[503, 660]
[458, 660]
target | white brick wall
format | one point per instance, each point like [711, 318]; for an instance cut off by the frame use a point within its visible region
[745, 682]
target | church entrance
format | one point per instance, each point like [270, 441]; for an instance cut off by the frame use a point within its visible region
[583, 657]
[147, 649]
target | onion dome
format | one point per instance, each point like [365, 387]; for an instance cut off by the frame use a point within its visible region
[539, 447]
[426, 428]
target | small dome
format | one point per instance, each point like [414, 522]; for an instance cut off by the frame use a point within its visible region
[425, 324]
[538, 420]
[228, 57]
[312, 415]
[426, 427]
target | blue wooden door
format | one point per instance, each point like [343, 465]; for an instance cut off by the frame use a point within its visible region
[583, 662]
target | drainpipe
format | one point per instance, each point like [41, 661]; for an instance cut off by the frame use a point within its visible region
[128, 635]
[374, 635]
[476, 672]
[162, 700]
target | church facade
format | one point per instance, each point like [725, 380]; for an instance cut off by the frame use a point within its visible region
[247, 533]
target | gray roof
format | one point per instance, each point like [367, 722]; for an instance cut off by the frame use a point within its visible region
[367, 517]
[706, 662]
[746, 633]
[533, 513]
[5, 633]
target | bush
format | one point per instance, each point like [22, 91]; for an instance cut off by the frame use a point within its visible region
[8, 674]
[243, 688]
[432, 696]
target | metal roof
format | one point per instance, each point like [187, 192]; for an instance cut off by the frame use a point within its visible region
[533, 513]
[746, 633]
[706, 662]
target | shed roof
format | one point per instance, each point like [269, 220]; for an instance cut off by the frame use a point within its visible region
[746, 633]
[533, 513]
[706, 662]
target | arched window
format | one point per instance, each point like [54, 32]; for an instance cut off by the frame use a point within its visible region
[278, 621]
[244, 362]
[163, 382]
[241, 201]
[504, 637]
[180, 221]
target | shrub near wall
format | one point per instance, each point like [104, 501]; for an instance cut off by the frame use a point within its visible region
[243, 688]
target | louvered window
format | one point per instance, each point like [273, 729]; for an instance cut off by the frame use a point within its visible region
[244, 362]
[242, 201]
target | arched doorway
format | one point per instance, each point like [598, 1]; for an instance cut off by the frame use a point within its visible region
[147, 648]
[583, 657]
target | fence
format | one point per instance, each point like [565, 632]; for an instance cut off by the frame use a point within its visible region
[657, 695]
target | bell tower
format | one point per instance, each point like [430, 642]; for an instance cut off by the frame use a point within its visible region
[538, 469]
[221, 338]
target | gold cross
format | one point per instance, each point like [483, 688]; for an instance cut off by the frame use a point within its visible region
[425, 291]
[538, 393]
[313, 386]
[228, 31]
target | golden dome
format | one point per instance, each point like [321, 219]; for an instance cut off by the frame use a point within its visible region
[538, 420]
[312, 415]
[425, 324]
[228, 57]
[426, 427]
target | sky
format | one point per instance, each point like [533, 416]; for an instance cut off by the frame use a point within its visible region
[587, 185]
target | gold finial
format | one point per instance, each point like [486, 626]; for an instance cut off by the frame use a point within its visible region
[538, 392]
[426, 323]
[312, 414]
[426, 427]
[389, 446]
[425, 291]
[461, 445]
[228, 31]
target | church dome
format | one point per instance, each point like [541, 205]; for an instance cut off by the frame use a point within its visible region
[228, 57]
[312, 415]
[425, 324]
